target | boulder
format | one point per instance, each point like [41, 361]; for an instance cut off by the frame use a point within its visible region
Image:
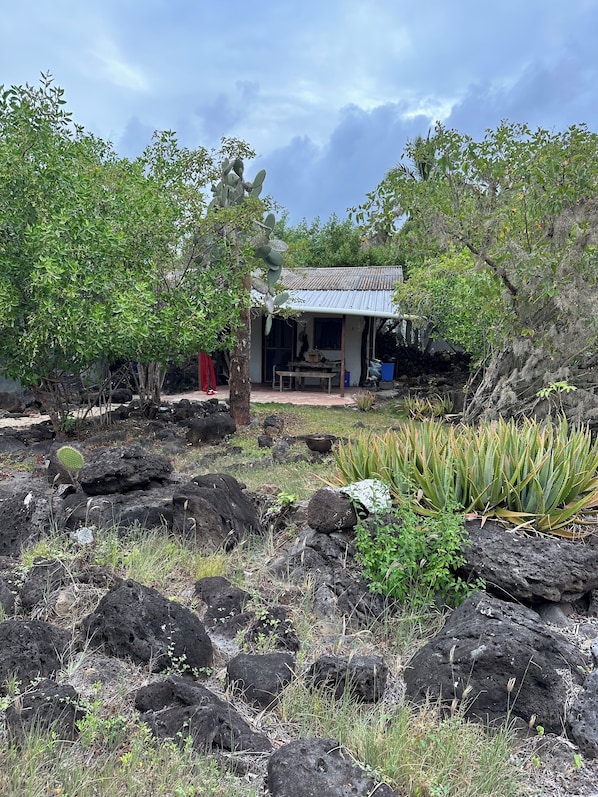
[45, 576]
[24, 517]
[119, 470]
[363, 677]
[310, 767]
[222, 598]
[260, 678]
[49, 706]
[330, 510]
[179, 708]
[339, 587]
[7, 598]
[29, 650]
[11, 445]
[582, 719]
[214, 511]
[151, 508]
[11, 402]
[212, 429]
[521, 567]
[273, 425]
[136, 622]
[497, 659]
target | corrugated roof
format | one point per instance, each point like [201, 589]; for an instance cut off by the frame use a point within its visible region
[363, 303]
[364, 291]
[344, 278]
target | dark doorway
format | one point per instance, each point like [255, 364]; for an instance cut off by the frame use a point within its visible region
[279, 346]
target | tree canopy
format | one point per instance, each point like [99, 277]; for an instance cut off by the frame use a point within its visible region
[333, 243]
[524, 204]
[101, 258]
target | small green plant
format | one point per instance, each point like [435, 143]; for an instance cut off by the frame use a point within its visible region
[421, 408]
[555, 387]
[414, 559]
[365, 401]
[553, 393]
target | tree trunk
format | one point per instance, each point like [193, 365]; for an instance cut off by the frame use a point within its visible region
[509, 387]
[239, 384]
[149, 378]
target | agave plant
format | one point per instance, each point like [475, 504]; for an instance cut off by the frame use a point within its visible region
[528, 473]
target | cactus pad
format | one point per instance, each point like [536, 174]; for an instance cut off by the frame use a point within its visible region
[70, 457]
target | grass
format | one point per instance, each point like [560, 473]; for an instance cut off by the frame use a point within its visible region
[114, 757]
[414, 750]
[301, 478]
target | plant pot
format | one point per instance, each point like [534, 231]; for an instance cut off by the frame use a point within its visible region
[320, 443]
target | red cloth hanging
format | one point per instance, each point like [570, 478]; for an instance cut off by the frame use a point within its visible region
[207, 375]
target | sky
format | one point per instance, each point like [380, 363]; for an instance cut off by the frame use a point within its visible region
[327, 92]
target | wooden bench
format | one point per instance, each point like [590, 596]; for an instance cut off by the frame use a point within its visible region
[329, 375]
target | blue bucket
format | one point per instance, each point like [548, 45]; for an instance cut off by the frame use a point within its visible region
[347, 378]
[388, 372]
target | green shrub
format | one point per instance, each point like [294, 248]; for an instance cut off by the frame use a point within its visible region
[412, 558]
[528, 473]
[420, 408]
[365, 401]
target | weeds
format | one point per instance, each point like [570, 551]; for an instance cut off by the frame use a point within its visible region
[414, 559]
[365, 401]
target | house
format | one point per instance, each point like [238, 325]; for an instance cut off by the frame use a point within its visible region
[334, 311]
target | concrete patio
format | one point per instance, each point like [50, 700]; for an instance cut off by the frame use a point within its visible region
[265, 394]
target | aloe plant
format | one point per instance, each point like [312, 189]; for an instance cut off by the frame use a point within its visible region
[528, 473]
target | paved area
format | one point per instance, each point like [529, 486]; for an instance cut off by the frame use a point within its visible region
[263, 394]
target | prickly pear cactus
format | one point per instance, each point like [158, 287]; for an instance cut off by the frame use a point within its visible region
[70, 457]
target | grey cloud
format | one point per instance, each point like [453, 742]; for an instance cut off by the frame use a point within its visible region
[316, 181]
[137, 135]
[221, 113]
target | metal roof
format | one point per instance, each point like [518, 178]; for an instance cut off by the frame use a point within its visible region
[345, 278]
[363, 291]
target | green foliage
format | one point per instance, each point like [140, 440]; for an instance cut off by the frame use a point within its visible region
[413, 750]
[462, 304]
[412, 558]
[421, 408]
[98, 255]
[365, 400]
[528, 473]
[522, 202]
[334, 243]
[115, 756]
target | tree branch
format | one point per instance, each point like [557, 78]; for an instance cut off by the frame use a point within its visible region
[500, 272]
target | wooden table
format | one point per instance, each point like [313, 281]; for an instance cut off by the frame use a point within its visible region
[302, 369]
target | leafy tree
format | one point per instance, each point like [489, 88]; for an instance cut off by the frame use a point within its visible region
[97, 260]
[195, 300]
[525, 205]
[460, 303]
[332, 244]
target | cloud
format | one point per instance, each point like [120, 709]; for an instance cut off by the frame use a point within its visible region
[112, 65]
[312, 180]
[220, 114]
